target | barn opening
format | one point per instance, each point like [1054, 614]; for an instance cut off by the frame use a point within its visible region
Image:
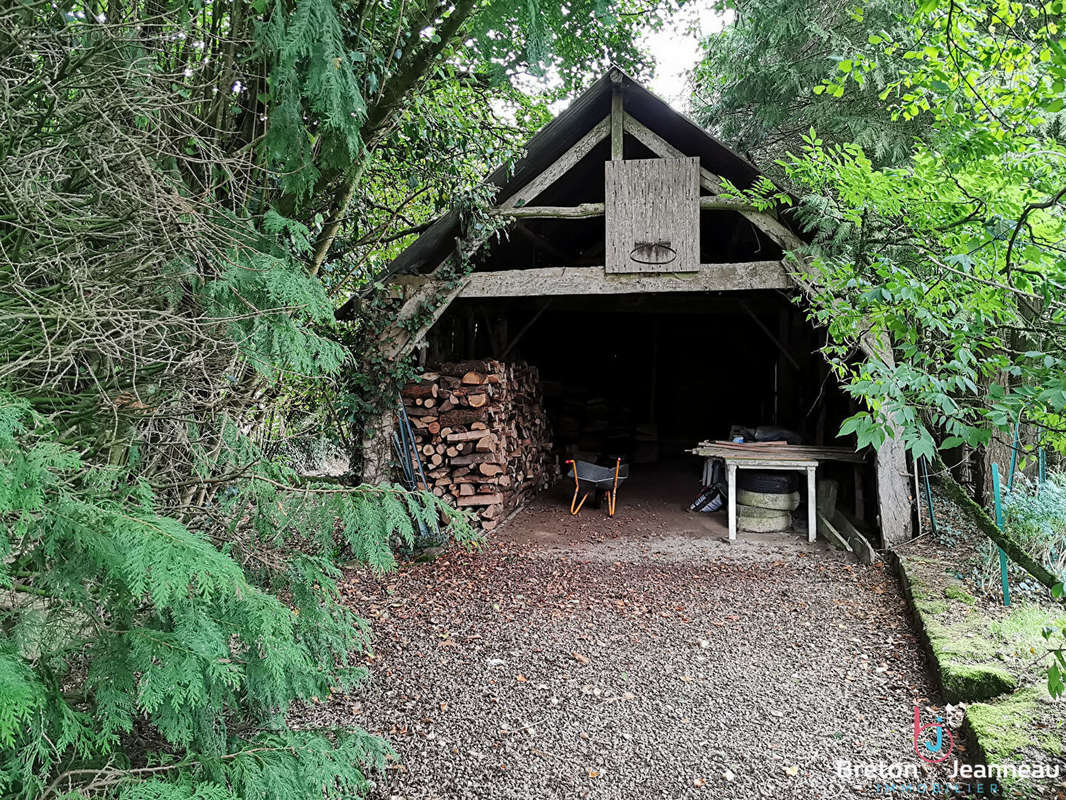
[646, 378]
[653, 299]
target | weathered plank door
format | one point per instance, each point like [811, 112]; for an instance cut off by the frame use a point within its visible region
[653, 215]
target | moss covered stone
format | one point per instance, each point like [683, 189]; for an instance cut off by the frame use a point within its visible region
[960, 652]
[1014, 730]
[972, 682]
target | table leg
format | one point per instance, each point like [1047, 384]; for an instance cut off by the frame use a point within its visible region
[731, 477]
[812, 505]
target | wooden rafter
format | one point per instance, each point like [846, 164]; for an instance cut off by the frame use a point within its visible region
[600, 131]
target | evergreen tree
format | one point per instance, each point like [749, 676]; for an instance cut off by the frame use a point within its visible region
[177, 177]
[760, 84]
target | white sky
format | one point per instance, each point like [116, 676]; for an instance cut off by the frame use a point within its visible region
[676, 49]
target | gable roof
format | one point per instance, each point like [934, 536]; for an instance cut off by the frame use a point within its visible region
[559, 135]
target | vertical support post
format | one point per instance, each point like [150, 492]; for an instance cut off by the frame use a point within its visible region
[812, 505]
[617, 115]
[731, 479]
[1041, 457]
[999, 523]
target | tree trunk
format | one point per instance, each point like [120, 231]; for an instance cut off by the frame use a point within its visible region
[376, 447]
[1014, 551]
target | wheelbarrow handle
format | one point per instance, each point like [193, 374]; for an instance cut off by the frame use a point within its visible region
[575, 507]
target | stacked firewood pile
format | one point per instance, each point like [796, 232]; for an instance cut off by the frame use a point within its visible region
[482, 435]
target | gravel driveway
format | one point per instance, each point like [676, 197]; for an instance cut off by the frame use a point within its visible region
[638, 657]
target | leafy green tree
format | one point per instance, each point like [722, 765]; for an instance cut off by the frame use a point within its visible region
[956, 254]
[761, 83]
[179, 178]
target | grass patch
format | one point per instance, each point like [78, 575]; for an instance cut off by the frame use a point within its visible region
[953, 592]
[1051, 743]
[1021, 630]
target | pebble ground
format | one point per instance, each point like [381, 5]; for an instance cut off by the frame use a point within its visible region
[636, 657]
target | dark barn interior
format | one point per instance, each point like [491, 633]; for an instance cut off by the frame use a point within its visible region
[647, 377]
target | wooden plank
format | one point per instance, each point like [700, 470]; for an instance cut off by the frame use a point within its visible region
[765, 222]
[560, 166]
[593, 280]
[773, 450]
[770, 462]
[862, 548]
[828, 531]
[653, 219]
[587, 210]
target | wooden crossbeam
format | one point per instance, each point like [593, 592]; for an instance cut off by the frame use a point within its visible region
[587, 210]
[594, 280]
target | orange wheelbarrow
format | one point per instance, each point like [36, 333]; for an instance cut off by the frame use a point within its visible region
[594, 478]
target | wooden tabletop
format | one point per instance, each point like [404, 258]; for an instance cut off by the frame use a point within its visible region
[775, 451]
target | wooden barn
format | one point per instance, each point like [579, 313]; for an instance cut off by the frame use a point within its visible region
[628, 308]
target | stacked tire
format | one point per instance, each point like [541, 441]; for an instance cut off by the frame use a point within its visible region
[766, 500]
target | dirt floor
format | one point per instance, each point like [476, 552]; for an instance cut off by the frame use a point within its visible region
[637, 657]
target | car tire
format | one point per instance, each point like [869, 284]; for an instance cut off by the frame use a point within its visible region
[781, 521]
[766, 482]
[779, 502]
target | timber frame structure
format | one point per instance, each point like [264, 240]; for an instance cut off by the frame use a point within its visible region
[613, 125]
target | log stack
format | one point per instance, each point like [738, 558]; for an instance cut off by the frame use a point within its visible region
[482, 434]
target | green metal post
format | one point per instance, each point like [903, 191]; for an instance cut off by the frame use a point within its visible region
[1042, 460]
[1013, 456]
[928, 494]
[999, 522]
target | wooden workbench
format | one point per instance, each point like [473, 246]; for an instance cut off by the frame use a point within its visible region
[771, 456]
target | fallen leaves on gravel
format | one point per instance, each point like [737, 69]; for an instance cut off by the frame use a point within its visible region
[707, 671]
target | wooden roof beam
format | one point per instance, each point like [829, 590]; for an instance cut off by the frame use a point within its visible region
[587, 210]
[594, 280]
[561, 165]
